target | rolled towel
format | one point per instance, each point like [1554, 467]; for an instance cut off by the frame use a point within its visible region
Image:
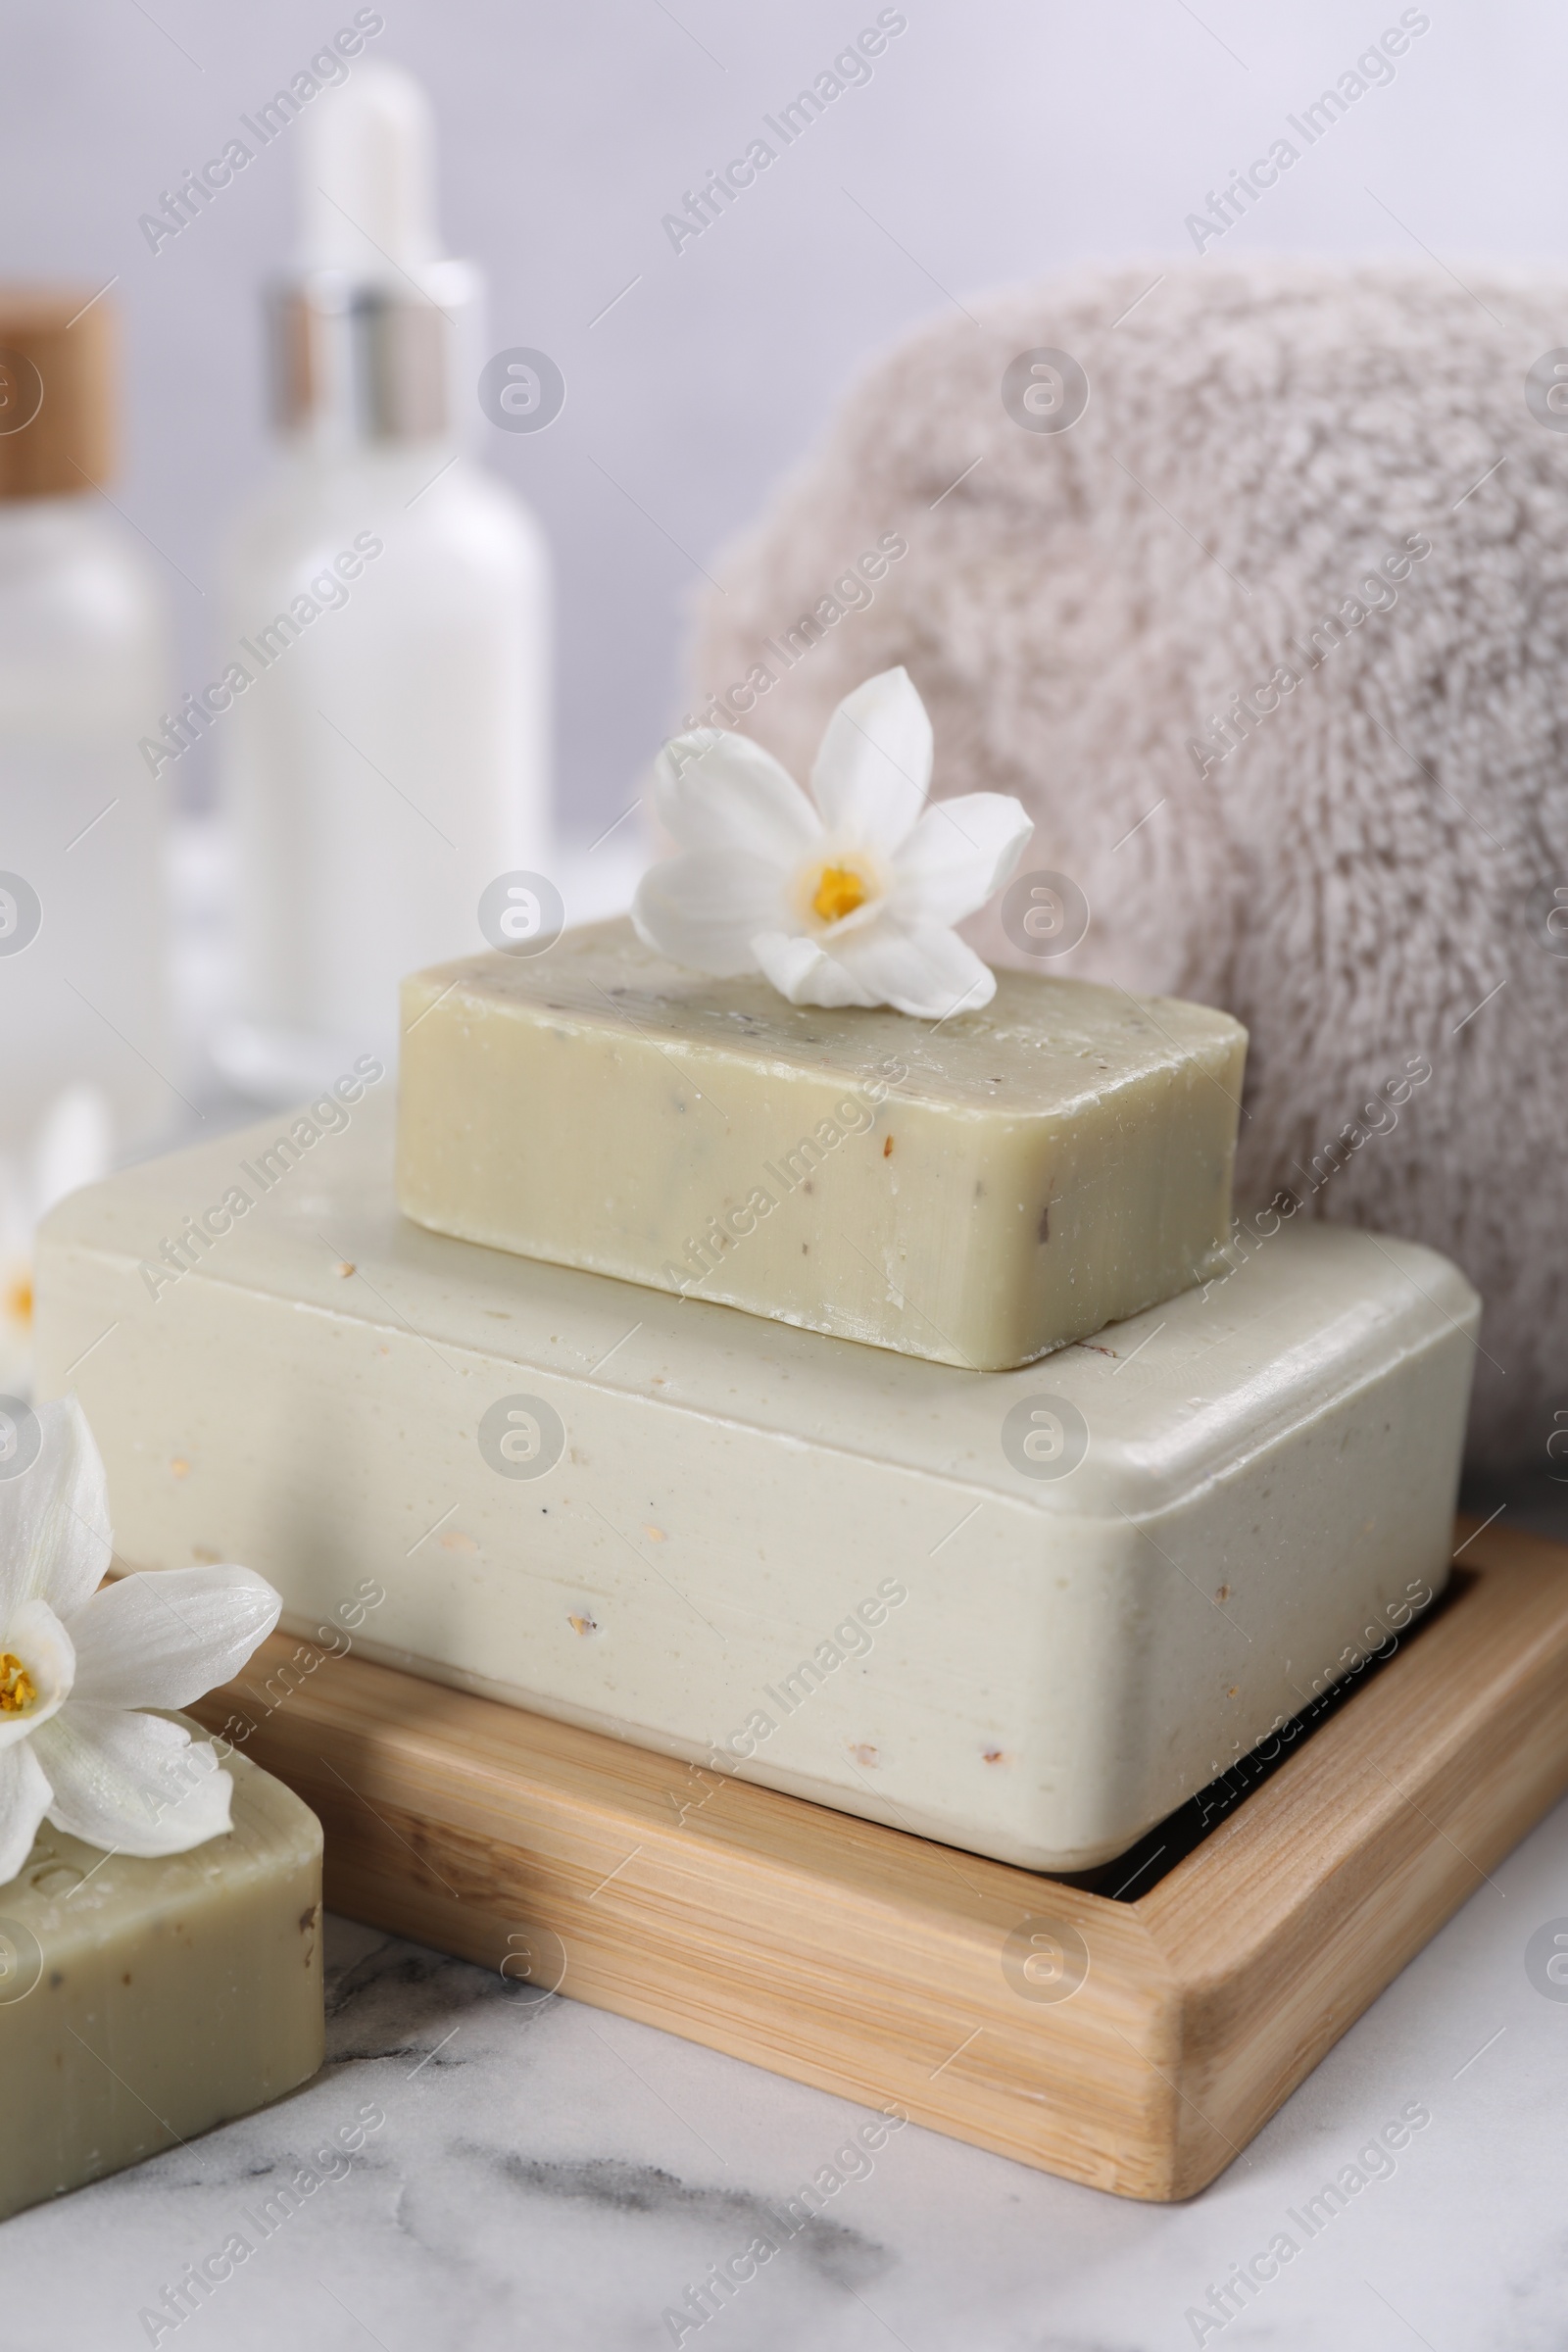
[1273, 641]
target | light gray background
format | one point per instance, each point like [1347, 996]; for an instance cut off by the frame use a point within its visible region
[998, 139]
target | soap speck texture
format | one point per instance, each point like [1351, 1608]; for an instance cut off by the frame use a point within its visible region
[1288, 1435]
[141, 2002]
[978, 1191]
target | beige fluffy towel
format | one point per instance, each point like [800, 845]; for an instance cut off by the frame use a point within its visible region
[1271, 643]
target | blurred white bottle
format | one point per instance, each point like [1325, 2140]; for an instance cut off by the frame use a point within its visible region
[82, 679]
[390, 605]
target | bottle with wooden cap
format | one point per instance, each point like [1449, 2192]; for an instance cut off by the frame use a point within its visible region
[82, 677]
[388, 604]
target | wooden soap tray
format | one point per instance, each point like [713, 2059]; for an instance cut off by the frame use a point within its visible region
[1135, 2044]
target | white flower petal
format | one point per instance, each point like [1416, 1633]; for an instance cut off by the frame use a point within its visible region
[24, 1798]
[703, 907]
[925, 971]
[75, 1145]
[135, 1783]
[959, 854]
[875, 763]
[37, 1637]
[801, 971]
[717, 791]
[54, 1519]
[163, 1639]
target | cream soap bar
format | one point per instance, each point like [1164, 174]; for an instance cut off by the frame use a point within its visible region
[143, 2002]
[976, 1191]
[1028, 1612]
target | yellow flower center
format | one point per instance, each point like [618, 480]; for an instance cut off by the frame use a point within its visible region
[838, 891]
[19, 1300]
[17, 1689]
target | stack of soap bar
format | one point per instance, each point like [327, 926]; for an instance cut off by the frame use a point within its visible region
[1028, 1613]
[977, 1191]
[144, 2001]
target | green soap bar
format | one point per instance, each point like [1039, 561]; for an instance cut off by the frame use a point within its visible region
[977, 1191]
[142, 2002]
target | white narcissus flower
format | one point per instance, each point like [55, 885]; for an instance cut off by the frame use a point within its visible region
[850, 902]
[76, 1663]
[73, 1145]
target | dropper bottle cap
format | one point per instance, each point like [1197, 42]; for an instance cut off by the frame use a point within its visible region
[374, 332]
[57, 390]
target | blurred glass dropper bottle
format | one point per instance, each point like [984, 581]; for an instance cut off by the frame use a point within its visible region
[83, 671]
[388, 757]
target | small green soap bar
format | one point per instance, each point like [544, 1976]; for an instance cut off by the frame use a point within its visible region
[977, 1191]
[141, 2002]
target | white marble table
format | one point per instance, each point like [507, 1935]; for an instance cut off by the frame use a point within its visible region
[548, 2176]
